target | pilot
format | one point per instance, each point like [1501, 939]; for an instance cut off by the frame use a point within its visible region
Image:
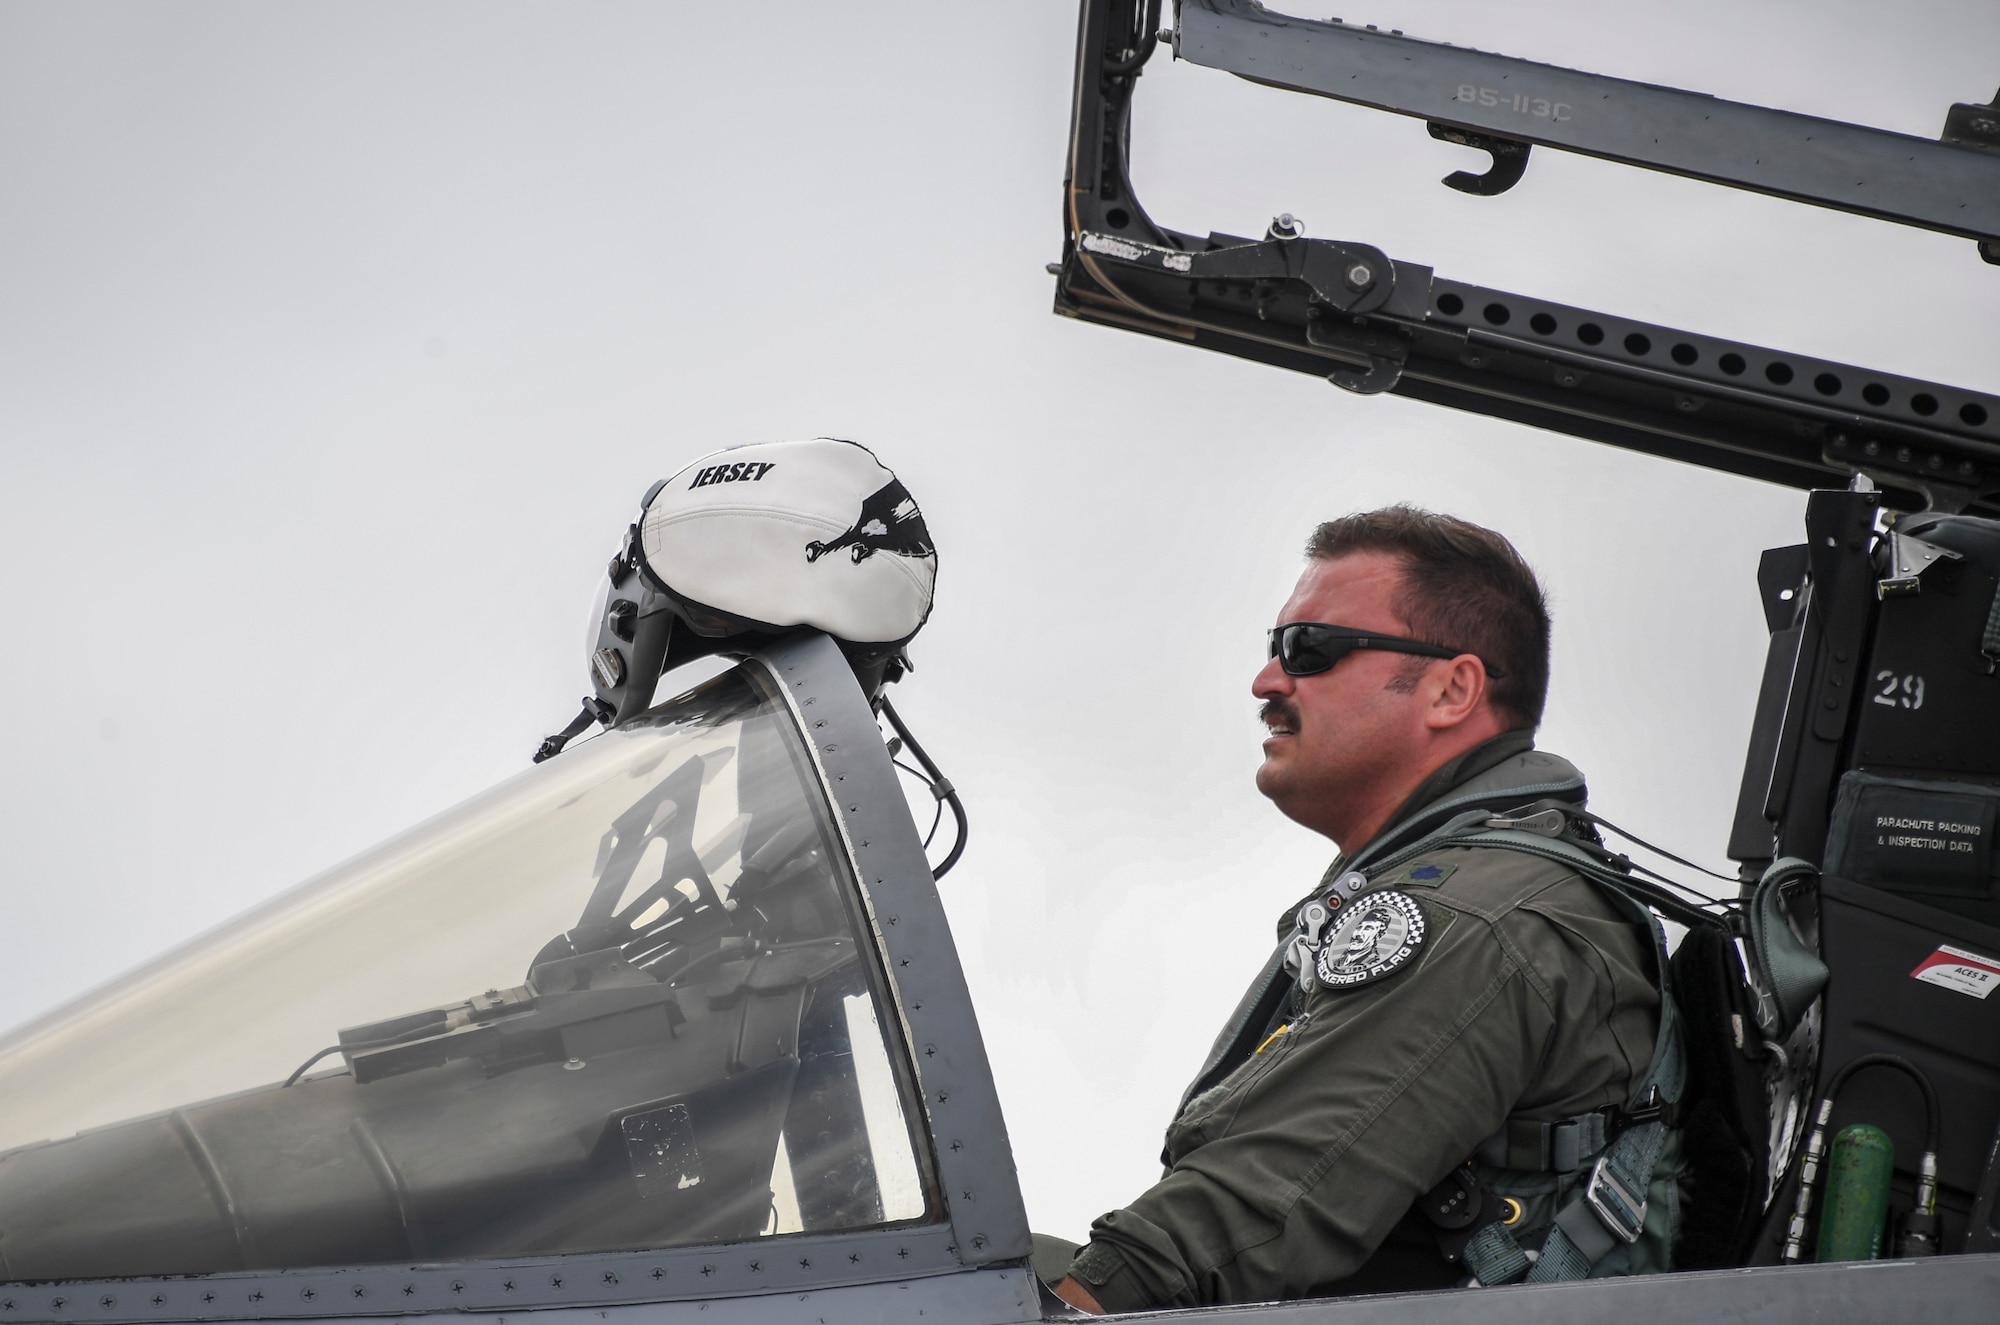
[1465, 1027]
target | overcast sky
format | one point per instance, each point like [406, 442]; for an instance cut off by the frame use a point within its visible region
[338, 343]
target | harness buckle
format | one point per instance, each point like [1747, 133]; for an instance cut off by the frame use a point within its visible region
[1547, 823]
[1618, 1207]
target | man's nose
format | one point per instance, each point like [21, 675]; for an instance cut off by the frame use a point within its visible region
[1271, 681]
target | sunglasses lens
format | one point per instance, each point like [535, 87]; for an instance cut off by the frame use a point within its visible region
[1304, 648]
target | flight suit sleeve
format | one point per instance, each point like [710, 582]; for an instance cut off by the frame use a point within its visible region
[1287, 1176]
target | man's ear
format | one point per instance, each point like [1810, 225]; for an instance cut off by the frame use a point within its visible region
[1458, 693]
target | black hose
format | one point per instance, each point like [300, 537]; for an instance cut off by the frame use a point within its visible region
[940, 787]
[1908, 1069]
[330, 1049]
[937, 814]
[1635, 839]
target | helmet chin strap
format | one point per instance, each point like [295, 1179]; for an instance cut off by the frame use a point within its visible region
[594, 710]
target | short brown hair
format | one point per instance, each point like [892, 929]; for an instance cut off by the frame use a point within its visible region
[1464, 587]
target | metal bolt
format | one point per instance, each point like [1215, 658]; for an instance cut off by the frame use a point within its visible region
[1360, 276]
[1052, 268]
[1284, 226]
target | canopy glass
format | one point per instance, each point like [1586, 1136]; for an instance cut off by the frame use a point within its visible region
[625, 1000]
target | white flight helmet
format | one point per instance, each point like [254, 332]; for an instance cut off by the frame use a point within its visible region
[751, 541]
[783, 534]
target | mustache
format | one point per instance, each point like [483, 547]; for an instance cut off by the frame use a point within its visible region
[1281, 710]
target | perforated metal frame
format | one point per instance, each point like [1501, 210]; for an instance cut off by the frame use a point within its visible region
[934, 1029]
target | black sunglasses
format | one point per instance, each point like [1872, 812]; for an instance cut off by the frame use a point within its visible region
[1306, 648]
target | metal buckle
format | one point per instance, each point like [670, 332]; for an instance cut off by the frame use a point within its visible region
[1546, 823]
[1629, 1220]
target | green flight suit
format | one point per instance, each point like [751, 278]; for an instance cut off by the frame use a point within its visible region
[1532, 997]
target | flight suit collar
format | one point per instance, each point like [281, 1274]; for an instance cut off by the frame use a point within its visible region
[1503, 771]
[1486, 757]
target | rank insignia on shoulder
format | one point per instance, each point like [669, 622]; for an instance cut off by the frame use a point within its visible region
[1376, 936]
[1428, 876]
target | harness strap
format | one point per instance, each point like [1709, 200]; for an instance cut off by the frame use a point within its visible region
[1494, 1257]
[1608, 1209]
[1563, 1146]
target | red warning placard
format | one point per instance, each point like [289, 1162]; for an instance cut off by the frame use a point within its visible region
[1959, 970]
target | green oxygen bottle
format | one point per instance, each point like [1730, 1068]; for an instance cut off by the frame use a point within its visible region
[1857, 1195]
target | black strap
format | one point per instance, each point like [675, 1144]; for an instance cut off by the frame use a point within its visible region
[1562, 1146]
[552, 746]
[1567, 1144]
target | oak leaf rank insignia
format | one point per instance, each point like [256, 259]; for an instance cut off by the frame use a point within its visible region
[1377, 935]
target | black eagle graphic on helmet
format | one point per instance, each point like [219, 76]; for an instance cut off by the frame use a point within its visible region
[889, 522]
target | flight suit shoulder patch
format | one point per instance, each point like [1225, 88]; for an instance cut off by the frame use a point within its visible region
[1428, 875]
[1377, 935]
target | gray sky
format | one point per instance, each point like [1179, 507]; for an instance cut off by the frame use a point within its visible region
[339, 341]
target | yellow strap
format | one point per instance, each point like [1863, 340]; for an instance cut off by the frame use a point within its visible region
[1273, 1035]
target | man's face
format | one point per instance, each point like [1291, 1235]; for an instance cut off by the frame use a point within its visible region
[1342, 739]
